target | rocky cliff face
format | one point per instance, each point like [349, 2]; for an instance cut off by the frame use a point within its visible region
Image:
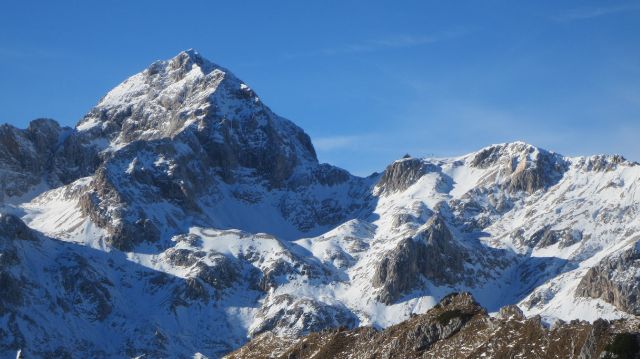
[615, 280]
[522, 167]
[431, 255]
[401, 174]
[27, 156]
[182, 204]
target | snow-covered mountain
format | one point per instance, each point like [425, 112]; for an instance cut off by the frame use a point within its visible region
[181, 217]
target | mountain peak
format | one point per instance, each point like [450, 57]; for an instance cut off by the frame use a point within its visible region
[192, 54]
[161, 100]
[186, 59]
[186, 96]
[514, 147]
[518, 150]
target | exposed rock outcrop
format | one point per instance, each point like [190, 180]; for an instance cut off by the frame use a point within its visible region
[511, 311]
[546, 237]
[615, 280]
[524, 168]
[220, 274]
[401, 174]
[458, 328]
[431, 254]
[602, 163]
[27, 156]
[291, 316]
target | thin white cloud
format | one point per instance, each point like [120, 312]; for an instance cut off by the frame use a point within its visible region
[393, 42]
[331, 143]
[586, 13]
[380, 44]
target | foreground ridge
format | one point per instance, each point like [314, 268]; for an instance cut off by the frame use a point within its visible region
[458, 327]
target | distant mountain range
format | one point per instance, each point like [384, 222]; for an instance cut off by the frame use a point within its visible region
[181, 217]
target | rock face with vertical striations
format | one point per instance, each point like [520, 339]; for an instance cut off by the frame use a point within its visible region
[615, 280]
[27, 156]
[401, 174]
[431, 254]
[523, 167]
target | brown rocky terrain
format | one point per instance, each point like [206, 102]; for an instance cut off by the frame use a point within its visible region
[458, 327]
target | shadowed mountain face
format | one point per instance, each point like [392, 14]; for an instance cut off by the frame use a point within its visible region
[182, 204]
[28, 157]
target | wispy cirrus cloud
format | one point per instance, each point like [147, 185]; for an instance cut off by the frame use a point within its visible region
[387, 43]
[331, 143]
[585, 13]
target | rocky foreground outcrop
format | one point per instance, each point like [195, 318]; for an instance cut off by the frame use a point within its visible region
[458, 327]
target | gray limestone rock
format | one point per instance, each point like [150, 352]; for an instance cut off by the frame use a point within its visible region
[511, 312]
[292, 316]
[26, 156]
[546, 237]
[527, 168]
[431, 254]
[183, 257]
[401, 174]
[220, 275]
[615, 280]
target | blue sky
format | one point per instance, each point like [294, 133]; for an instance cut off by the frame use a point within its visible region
[368, 80]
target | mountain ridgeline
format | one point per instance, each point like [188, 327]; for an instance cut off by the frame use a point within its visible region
[181, 217]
